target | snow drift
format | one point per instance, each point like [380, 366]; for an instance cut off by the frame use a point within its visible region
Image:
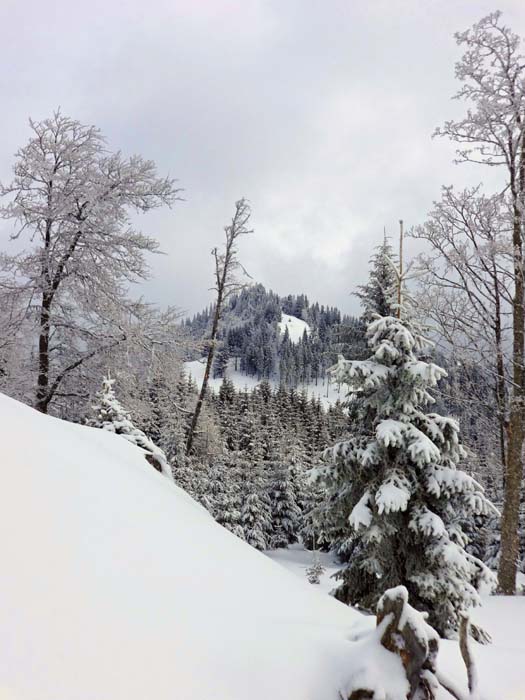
[115, 584]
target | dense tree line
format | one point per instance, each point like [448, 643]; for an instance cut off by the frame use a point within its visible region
[252, 342]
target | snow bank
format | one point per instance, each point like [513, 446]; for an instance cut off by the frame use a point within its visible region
[115, 585]
[296, 327]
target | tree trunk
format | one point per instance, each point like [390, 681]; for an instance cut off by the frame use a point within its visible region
[42, 391]
[206, 378]
[225, 265]
[514, 469]
[500, 372]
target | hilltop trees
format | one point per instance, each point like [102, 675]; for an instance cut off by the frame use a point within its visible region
[251, 339]
[70, 198]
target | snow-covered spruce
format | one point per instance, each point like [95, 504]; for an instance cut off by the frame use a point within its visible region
[256, 520]
[223, 497]
[286, 514]
[111, 415]
[379, 295]
[396, 503]
[315, 570]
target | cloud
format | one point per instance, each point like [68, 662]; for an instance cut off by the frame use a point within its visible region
[319, 113]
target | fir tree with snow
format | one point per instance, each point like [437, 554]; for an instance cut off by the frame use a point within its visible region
[225, 485]
[256, 520]
[378, 296]
[285, 512]
[316, 570]
[396, 503]
[111, 415]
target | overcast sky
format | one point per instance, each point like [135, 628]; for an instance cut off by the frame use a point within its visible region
[320, 113]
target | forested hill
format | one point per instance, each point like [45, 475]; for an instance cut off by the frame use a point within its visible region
[292, 342]
[287, 338]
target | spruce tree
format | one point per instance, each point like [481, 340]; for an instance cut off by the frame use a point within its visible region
[222, 495]
[396, 504]
[285, 511]
[256, 520]
[378, 296]
[109, 414]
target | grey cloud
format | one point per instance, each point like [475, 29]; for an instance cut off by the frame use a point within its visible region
[319, 113]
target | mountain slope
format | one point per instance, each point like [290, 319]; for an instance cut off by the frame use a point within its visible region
[115, 584]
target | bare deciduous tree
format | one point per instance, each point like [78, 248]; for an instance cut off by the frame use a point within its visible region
[226, 283]
[492, 72]
[71, 196]
[466, 280]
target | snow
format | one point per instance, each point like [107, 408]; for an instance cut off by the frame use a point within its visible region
[297, 559]
[115, 584]
[327, 391]
[361, 513]
[499, 665]
[427, 371]
[393, 495]
[430, 524]
[390, 432]
[422, 450]
[296, 327]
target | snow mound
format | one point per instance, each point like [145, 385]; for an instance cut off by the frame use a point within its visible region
[115, 584]
[296, 327]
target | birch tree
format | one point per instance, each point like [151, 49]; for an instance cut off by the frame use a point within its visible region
[492, 133]
[226, 283]
[70, 203]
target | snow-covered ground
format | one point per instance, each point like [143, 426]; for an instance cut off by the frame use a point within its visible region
[296, 327]
[297, 559]
[501, 665]
[115, 584]
[327, 391]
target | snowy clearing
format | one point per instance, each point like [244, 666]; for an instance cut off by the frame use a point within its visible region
[500, 664]
[325, 390]
[296, 327]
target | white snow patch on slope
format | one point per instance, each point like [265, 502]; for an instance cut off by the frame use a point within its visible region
[115, 584]
[296, 327]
